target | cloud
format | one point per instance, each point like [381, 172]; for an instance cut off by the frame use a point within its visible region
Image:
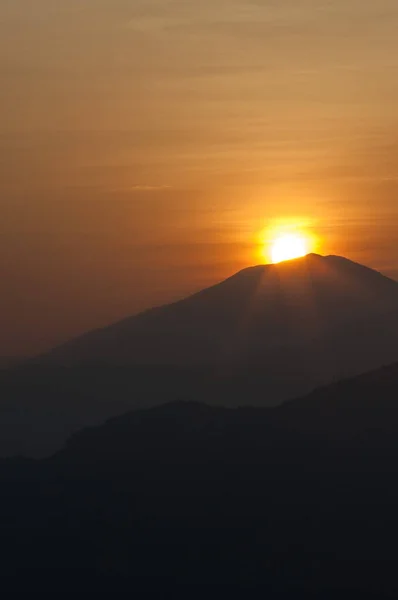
[148, 188]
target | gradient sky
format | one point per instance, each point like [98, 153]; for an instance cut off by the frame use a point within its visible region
[146, 144]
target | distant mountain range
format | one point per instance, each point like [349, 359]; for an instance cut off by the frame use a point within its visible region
[266, 335]
[299, 499]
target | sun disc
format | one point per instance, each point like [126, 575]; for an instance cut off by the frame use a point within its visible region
[288, 247]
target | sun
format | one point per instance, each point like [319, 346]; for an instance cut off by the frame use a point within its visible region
[288, 247]
[288, 238]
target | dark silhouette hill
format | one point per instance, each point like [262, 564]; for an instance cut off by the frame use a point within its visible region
[347, 414]
[263, 336]
[299, 499]
[266, 315]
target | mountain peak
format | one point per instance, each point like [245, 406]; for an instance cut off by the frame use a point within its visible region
[303, 262]
[270, 315]
[317, 260]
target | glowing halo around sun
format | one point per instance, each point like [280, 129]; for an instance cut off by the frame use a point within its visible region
[287, 239]
[289, 246]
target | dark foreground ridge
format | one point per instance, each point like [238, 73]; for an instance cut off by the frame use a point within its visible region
[266, 335]
[300, 499]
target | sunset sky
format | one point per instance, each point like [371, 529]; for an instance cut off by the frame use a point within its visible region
[147, 147]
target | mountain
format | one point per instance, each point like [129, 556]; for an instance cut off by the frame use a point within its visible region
[263, 336]
[299, 499]
[277, 316]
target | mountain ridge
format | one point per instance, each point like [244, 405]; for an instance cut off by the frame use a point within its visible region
[209, 317]
[299, 499]
[337, 413]
[263, 336]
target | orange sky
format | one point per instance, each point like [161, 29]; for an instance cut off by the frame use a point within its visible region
[145, 145]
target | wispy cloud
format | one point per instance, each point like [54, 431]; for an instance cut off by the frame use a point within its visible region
[148, 188]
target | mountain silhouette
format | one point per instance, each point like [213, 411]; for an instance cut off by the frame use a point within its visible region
[262, 315]
[299, 499]
[354, 414]
[263, 336]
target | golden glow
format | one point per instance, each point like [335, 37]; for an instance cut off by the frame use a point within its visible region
[289, 246]
[286, 239]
